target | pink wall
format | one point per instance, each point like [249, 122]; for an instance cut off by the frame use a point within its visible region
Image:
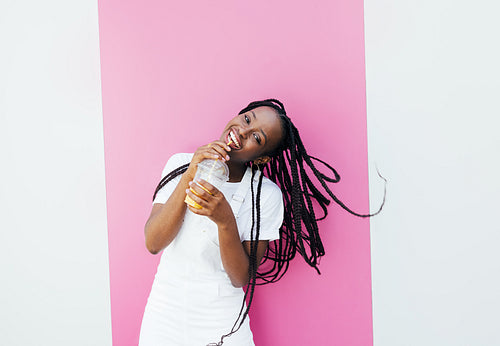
[172, 75]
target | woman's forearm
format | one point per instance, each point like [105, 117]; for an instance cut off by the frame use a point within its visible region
[166, 219]
[234, 257]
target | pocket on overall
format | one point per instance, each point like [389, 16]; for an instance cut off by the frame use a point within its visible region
[210, 250]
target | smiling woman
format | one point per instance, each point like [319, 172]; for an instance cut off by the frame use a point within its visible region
[252, 135]
[210, 253]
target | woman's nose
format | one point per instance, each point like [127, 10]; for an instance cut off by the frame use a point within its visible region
[245, 131]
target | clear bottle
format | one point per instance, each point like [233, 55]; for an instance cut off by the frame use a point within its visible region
[215, 172]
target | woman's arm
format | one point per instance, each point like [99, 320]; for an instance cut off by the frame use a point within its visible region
[235, 255]
[166, 219]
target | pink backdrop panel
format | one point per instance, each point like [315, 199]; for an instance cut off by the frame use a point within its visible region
[173, 73]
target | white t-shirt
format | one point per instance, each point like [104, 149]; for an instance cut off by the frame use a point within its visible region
[271, 201]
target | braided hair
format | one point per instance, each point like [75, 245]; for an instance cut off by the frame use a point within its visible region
[299, 231]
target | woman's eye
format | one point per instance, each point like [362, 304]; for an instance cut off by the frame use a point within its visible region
[257, 138]
[247, 119]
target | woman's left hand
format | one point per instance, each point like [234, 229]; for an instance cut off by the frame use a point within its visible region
[213, 203]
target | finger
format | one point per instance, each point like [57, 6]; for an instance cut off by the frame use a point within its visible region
[220, 148]
[197, 211]
[208, 153]
[190, 202]
[216, 144]
[221, 154]
[200, 191]
[206, 186]
[222, 144]
[200, 201]
[204, 152]
[221, 151]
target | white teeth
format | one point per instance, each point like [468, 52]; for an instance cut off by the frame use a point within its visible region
[233, 138]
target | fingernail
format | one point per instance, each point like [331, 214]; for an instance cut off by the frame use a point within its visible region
[227, 157]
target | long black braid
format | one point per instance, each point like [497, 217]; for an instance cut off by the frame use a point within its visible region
[299, 231]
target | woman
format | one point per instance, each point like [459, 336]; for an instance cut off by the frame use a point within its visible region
[212, 252]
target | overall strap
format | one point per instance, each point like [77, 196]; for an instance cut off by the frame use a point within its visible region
[242, 191]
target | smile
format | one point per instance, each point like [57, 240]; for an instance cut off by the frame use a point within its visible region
[234, 138]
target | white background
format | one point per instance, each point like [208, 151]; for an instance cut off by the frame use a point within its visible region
[433, 98]
[53, 237]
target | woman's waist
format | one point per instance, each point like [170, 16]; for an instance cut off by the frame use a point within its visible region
[194, 283]
[181, 259]
[194, 268]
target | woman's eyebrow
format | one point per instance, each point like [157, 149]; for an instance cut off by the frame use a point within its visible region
[260, 129]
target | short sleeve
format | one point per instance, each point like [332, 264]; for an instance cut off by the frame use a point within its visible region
[271, 213]
[174, 162]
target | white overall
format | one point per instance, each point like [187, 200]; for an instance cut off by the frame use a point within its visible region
[192, 301]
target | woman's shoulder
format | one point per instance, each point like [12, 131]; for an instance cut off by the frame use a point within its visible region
[175, 161]
[270, 190]
[181, 158]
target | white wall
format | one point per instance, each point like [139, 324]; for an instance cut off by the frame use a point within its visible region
[433, 123]
[53, 238]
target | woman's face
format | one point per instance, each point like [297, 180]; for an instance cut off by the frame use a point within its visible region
[252, 134]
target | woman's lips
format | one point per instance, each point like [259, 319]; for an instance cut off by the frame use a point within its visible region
[233, 139]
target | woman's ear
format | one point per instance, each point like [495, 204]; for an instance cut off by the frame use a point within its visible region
[261, 160]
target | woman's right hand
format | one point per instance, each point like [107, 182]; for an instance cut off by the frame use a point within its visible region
[213, 150]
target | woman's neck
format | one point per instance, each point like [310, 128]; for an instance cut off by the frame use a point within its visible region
[236, 171]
